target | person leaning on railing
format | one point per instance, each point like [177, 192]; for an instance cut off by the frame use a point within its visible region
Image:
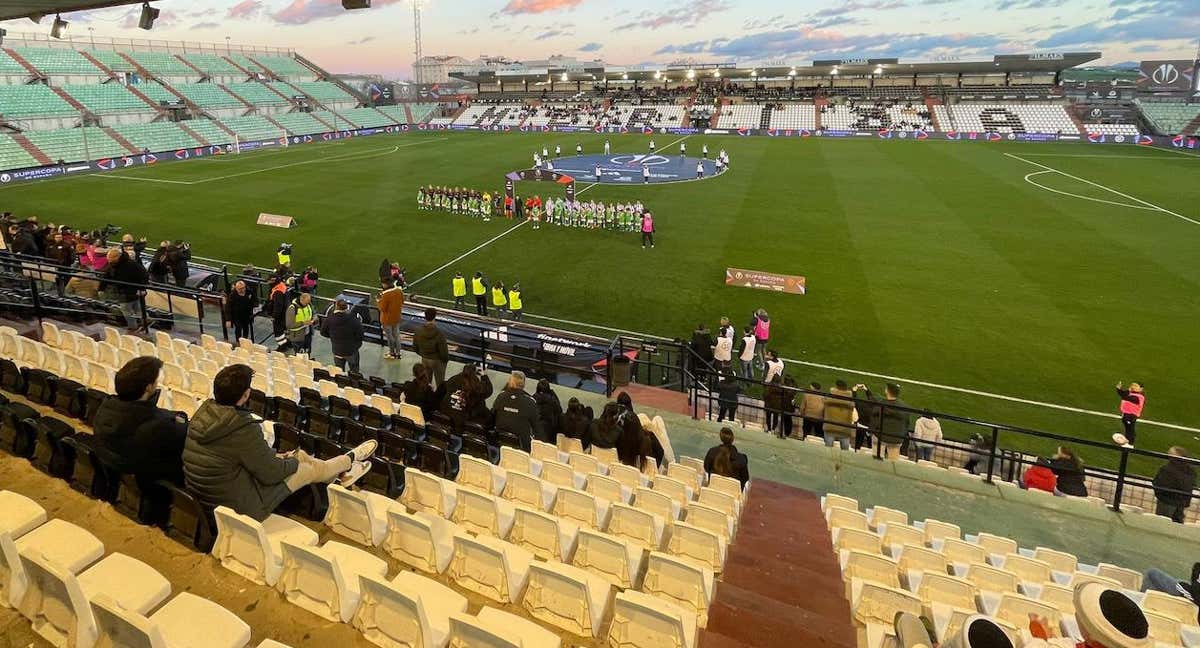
[886, 421]
[1173, 485]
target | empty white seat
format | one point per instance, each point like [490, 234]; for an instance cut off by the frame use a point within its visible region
[481, 512]
[994, 544]
[657, 502]
[493, 628]
[702, 545]
[1058, 560]
[618, 560]
[409, 610]
[1175, 607]
[644, 621]
[720, 500]
[936, 530]
[1128, 578]
[421, 540]
[607, 488]
[681, 581]
[1026, 569]
[325, 580]
[66, 544]
[687, 475]
[252, 549]
[568, 444]
[676, 489]
[629, 476]
[480, 474]
[851, 540]
[605, 456]
[529, 490]
[896, 536]
[382, 403]
[429, 493]
[875, 608]
[879, 515]
[642, 527]
[840, 518]
[567, 598]
[833, 500]
[1017, 610]
[562, 475]
[543, 451]
[585, 463]
[512, 459]
[19, 514]
[862, 566]
[961, 551]
[546, 536]
[947, 590]
[493, 568]
[358, 515]
[580, 507]
[186, 621]
[329, 388]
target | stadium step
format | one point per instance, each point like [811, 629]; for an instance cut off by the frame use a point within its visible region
[930, 102]
[1075, 120]
[145, 74]
[265, 70]
[277, 124]
[201, 73]
[324, 75]
[245, 104]
[408, 118]
[234, 63]
[120, 139]
[1192, 127]
[103, 68]
[69, 99]
[140, 95]
[324, 123]
[196, 136]
[36, 152]
[34, 72]
[294, 88]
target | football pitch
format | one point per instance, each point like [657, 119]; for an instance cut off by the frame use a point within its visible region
[974, 271]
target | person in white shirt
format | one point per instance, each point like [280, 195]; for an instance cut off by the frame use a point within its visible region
[926, 428]
[774, 366]
[537, 161]
[579, 148]
[607, 147]
[557, 151]
[747, 352]
[704, 151]
[545, 153]
[723, 352]
[645, 174]
[683, 149]
[699, 170]
[651, 145]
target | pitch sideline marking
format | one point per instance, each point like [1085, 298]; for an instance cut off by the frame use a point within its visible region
[469, 252]
[1103, 157]
[1028, 177]
[1100, 186]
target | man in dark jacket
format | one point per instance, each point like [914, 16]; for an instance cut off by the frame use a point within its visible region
[430, 344]
[728, 389]
[133, 435]
[23, 240]
[60, 252]
[125, 281]
[1173, 485]
[888, 423]
[227, 462]
[240, 305]
[345, 333]
[702, 348]
[178, 256]
[516, 412]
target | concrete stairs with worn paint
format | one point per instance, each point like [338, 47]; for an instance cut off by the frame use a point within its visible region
[30, 148]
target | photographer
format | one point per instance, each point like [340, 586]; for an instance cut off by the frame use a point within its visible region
[178, 256]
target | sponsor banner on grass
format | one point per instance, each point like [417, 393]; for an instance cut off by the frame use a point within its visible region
[793, 284]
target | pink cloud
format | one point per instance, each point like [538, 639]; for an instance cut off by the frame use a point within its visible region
[300, 12]
[538, 6]
[245, 9]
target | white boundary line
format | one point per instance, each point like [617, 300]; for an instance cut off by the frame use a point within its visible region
[586, 188]
[111, 176]
[1103, 157]
[1100, 186]
[470, 252]
[1099, 200]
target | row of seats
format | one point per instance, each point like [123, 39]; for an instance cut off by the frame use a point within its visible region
[323, 90]
[58, 61]
[930, 568]
[74, 144]
[156, 136]
[883, 115]
[284, 67]
[212, 64]
[107, 98]
[740, 115]
[366, 117]
[33, 100]
[257, 94]
[253, 127]
[1111, 129]
[1169, 118]
[1006, 118]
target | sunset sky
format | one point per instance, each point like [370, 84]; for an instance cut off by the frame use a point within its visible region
[379, 40]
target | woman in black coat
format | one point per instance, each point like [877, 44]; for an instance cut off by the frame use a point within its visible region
[577, 422]
[1069, 470]
[549, 411]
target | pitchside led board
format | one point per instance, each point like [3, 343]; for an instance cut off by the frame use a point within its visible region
[792, 284]
[1166, 76]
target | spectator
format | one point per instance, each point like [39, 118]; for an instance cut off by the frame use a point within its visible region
[702, 348]
[1040, 477]
[465, 397]
[635, 444]
[178, 256]
[746, 353]
[517, 413]
[1133, 400]
[345, 332]
[227, 462]
[160, 266]
[725, 460]
[1173, 485]
[135, 436]
[728, 389]
[723, 351]
[774, 365]
[549, 411]
[391, 310]
[787, 413]
[300, 321]
[23, 240]
[418, 391]
[430, 343]
[774, 398]
[812, 411]
[605, 431]
[240, 305]
[577, 422]
[1160, 581]
[1068, 470]
[927, 431]
[839, 416]
[277, 305]
[981, 449]
[308, 280]
[125, 280]
[133, 249]
[760, 324]
[62, 253]
[626, 401]
[889, 423]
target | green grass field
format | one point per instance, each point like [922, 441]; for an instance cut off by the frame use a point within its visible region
[936, 261]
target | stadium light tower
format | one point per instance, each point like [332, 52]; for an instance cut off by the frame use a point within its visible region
[417, 55]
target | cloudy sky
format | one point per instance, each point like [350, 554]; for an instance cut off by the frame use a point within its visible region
[379, 40]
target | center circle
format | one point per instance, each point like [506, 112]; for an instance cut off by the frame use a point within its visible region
[629, 168]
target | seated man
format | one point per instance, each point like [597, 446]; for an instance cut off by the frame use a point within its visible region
[132, 434]
[227, 461]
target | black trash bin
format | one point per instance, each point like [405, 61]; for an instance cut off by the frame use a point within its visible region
[622, 368]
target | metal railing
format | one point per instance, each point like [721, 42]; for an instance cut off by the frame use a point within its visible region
[78, 40]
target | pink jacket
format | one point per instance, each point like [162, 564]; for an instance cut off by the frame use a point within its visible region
[647, 223]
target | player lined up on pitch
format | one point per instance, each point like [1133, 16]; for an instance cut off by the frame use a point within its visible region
[458, 200]
[618, 217]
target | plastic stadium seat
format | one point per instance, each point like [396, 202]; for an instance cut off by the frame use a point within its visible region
[947, 590]
[585, 463]
[961, 551]
[496, 629]
[57, 601]
[607, 488]
[545, 536]
[1017, 610]
[833, 500]
[1058, 560]
[68, 545]
[722, 501]
[615, 559]
[480, 474]
[852, 540]
[409, 610]
[253, 549]
[526, 489]
[994, 544]
[570, 444]
[489, 567]
[358, 515]
[1027, 569]
[271, 643]
[567, 598]
[680, 581]
[606, 456]
[687, 475]
[420, 540]
[1128, 578]
[704, 546]
[429, 493]
[19, 514]
[658, 503]
[513, 459]
[840, 518]
[1175, 607]
[726, 485]
[676, 489]
[858, 565]
[712, 519]
[875, 608]
[884, 515]
[480, 512]
[561, 474]
[186, 621]
[644, 621]
[629, 476]
[936, 530]
[325, 580]
[637, 525]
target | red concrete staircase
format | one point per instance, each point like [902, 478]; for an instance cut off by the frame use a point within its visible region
[1075, 120]
[202, 73]
[95, 61]
[818, 104]
[33, 72]
[120, 139]
[196, 136]
[34, 151]
[782, 587]
[930, 102]
[1192, 127]
[234, 63]
[276, 124]
[69, 99]
[325, 123]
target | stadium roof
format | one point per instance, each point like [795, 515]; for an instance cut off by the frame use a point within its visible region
[36, 10]
[1041, 62]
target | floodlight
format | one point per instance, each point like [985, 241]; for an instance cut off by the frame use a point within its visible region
[59, 26]
[356, 4]
[149, 15]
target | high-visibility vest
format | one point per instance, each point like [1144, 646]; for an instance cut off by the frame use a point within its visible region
[514, 300]
[460, 287]
[284, 259]
[304, 315]
[1129, 407]
[477, 287]
[498, 296]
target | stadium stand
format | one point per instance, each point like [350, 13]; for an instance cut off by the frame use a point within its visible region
[322, 91]
[34, 100]
[1006, 118]
[335, 120]
[163, 64]
[208, 95]
[154, 91]
[213, 65]
[257, 94]
[12, 71]
[285, 67]
[396, 113]
[76, 144]
[794, 116]
[252, 127]
[1112, 129]
[113, 60]
[65, 65]
[156, 136]
[880, 115]
[210, 131]
[366, 117]
[486, 114]
[13, 155]
[299, 123]
[740, 115]
[107, 98]
[422, 112]
[244, 62]
[1170, 118]
[652, 115]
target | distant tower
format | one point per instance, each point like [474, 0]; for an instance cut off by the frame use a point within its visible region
[418, 74]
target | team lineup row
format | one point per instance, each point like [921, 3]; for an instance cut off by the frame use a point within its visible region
[621, 217]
